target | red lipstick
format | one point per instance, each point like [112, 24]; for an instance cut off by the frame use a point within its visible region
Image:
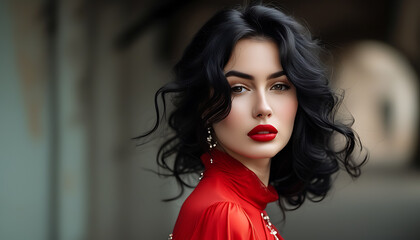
[263, 133]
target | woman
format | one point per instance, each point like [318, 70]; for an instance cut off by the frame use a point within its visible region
[254, 111]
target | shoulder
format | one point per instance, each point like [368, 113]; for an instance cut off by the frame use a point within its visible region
[224, 220]
[229, 210]
[208, 194]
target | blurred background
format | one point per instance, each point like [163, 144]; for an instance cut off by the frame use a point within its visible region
[77, 80]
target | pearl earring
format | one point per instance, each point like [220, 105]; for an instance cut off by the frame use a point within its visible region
[212, 144]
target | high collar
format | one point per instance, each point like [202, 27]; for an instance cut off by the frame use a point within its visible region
[244, 182]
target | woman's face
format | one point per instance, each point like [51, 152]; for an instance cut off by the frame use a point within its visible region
[264, 103]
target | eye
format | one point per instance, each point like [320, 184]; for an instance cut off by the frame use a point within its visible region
[238, 89]
[280, 87]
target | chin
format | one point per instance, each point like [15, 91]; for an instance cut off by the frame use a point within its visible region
[269, 151]
[263, 152]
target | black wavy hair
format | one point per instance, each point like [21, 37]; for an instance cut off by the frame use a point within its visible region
[201, 96]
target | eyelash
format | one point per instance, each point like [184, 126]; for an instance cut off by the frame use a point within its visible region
[284, 87]
[277, 86]
[233, 88]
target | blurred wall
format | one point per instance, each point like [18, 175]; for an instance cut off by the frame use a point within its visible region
[25, 146]
[77, 83]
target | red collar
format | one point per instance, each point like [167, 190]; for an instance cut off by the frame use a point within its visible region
[244, 182]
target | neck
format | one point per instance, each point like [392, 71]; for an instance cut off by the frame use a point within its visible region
[261, 167]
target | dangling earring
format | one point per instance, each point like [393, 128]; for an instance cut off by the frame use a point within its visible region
[210, 139]
[212, 144]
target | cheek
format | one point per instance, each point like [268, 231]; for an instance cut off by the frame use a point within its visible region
[287, 110]
[290, 109]
[236, 115]
[234, 126]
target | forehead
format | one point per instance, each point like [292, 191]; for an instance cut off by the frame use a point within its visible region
[254, 55]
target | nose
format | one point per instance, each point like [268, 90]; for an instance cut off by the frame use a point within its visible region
[262, 108]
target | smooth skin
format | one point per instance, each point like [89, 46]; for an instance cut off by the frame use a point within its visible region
[261, 94]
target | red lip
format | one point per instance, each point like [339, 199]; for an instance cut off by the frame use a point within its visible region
[263, 133]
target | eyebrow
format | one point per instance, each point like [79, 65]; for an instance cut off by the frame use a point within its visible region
[250, 77]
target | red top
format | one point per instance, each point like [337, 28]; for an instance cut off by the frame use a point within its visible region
[227, 204]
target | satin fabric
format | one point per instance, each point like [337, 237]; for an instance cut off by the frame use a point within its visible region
[227, 204]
